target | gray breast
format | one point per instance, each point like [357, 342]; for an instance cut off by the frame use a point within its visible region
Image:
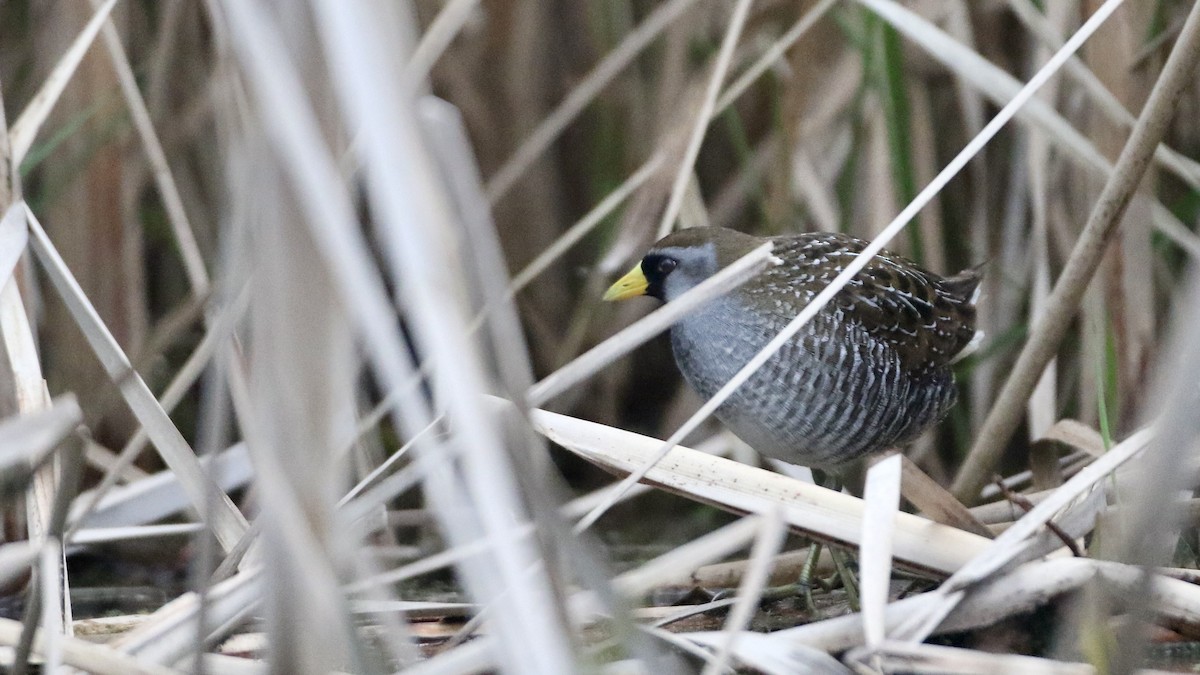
[831, 395]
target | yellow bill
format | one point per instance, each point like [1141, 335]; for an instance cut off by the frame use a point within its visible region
[631, 285]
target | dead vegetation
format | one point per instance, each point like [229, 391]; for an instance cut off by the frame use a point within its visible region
[303, 341]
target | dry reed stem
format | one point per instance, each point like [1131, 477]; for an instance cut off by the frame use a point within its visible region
[371, 503]
[1009, 545]
[413, 205]
[27, 440]
[51, 579]
[733, 486]
[586, 224]
[29, 122]
[82, 654]
[16, 559]
[773, 54]
[227, 522]
[705, 549]
[998, 85]
[648, 169]
[785, 569]
[771, 533]
[295, 545]
[159, 495]
[164, 179]
[1152, 512]
[1185, 168]
[28, 388]
[103, 459]
[169, 634]
[881, 504]
[1041, 401]
[767, 652]
[374, 477]
[297, 138]
[29, 396]
[1032, 585]
[901, 656]
[684, 174]
[476, 656]
[98, 535]
[445, 26]
[935, 502]
[1063, 303]
[220, 330]
[309, 167]
[591, 86]
[55, 622]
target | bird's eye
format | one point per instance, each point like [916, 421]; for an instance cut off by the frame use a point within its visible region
[666, 265]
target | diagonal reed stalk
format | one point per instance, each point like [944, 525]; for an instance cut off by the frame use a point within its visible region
[1063, 302]
[604, 72]
[700, 124]
[226, 520]
[29, 122]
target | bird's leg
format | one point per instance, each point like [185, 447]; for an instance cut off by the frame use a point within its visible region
[826, 479]
[849, 581]
[831, 481]
[807, 572]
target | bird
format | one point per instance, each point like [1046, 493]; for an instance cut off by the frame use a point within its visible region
[870, 371]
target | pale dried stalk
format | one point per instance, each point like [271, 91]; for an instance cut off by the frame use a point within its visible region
[700, 125]
[185, 238]
[218, 331]
[169, 634]
[29, 122]
[882, 497]
[591, 86]
[82, 654]
[733, 486]
[227, 522]
[414, 222]
[770, 537]
[1017, 592]
[55, 625]
[650, 166]
[681, 559]
[774, 53]
[448, 22]
[904, 657]
[998, 85]
[1010, 544]
[585, 225]
[29, 396]
[1183, 167]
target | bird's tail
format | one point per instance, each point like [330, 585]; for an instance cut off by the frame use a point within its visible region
[965, 286]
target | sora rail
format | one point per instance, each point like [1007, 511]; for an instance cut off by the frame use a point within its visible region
[869, 372]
